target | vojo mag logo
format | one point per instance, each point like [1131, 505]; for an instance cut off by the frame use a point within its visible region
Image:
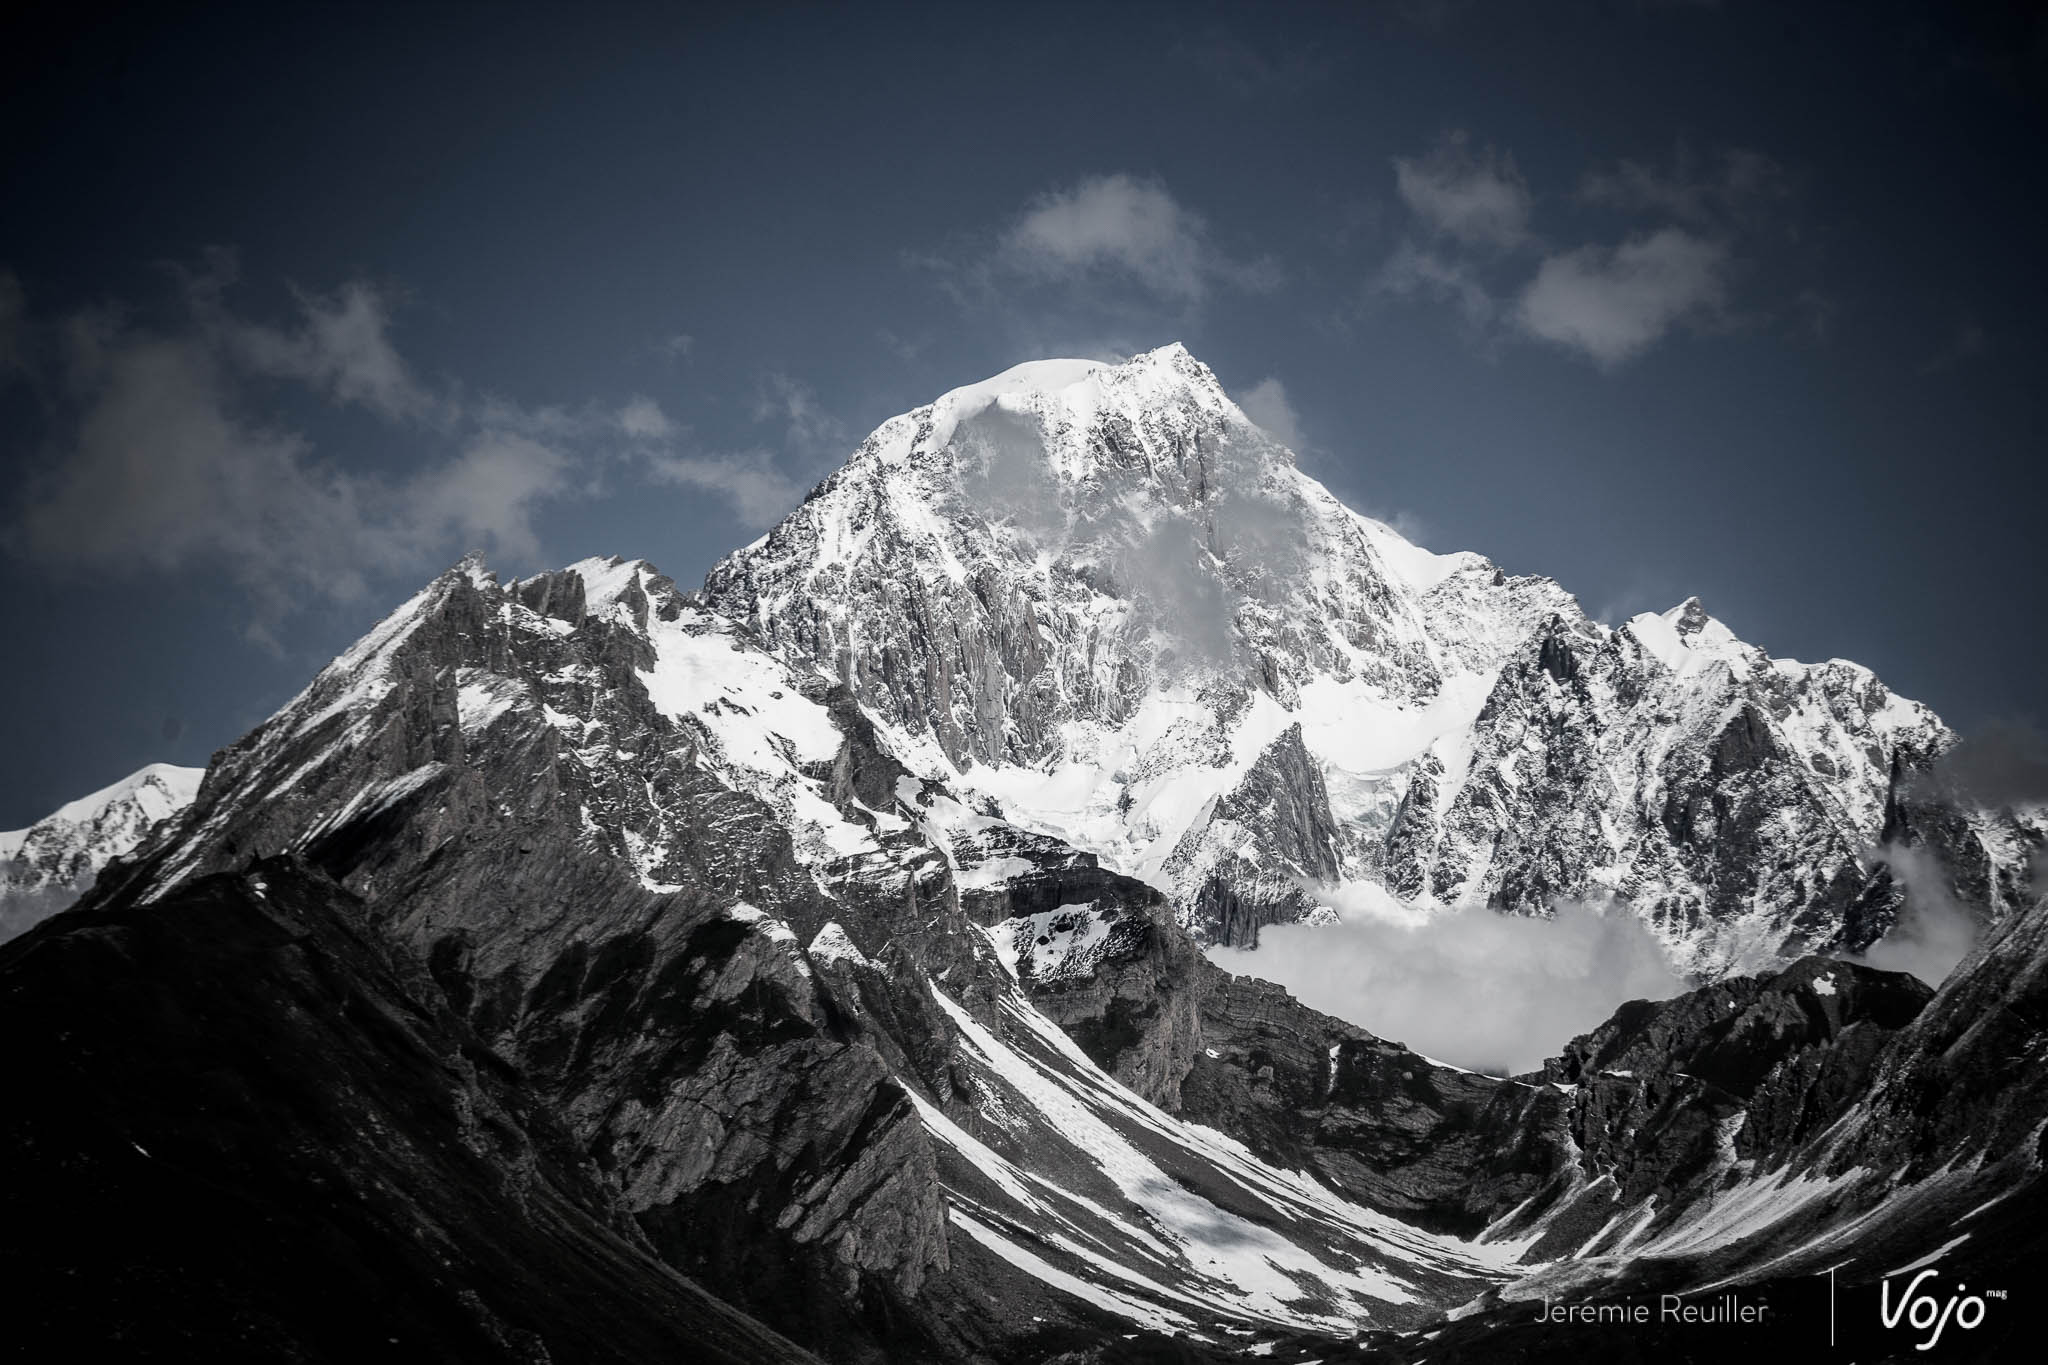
[1920, 1310]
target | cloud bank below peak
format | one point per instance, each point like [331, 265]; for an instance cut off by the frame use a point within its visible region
[1486, 991]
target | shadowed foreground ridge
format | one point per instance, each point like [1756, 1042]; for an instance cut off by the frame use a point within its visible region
[251, 1130]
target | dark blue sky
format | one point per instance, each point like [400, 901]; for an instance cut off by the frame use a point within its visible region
[296, 304]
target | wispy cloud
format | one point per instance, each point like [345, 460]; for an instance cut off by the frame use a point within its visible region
[750, 482]
[642, 419]
[1123, 225]
[164, 467]
[1418, 271]
[162, 453]
[810, 429]
[340, 344]
[1737, 186]
[1126, 228]
[1612, 303]
[1266, 403]
[760, 493]
[1471, 194]
[1471, 245]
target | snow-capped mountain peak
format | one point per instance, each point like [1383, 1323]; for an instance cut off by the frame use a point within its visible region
[1686, 638]
[1101, 597]
[44, 868]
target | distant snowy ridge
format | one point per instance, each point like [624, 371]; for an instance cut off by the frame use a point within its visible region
[45, 867]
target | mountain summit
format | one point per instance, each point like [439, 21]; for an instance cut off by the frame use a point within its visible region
[1105, 601]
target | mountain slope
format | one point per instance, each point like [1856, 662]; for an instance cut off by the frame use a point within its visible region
[257, 1134]
[770, 981]
[49, 865]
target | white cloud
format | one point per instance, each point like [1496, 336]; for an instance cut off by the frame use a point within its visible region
[162, 464]
[485, 495]
[1475, 196]
[1478, 989]
[759, 492]
[643, 419]
[1934, 931]
[1267, 404]
[1121, 225]
[1613, 303]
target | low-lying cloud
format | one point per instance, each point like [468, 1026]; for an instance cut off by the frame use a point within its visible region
[1934, 930]
[1267, 404]
[1472, 987]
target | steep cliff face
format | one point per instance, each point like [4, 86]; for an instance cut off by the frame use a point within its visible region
[1100, 597]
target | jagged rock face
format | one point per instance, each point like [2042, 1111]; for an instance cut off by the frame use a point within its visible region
[1731, 799]
[597, 844]
[1101, 598]
[50, 864]
[1670, 1102]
